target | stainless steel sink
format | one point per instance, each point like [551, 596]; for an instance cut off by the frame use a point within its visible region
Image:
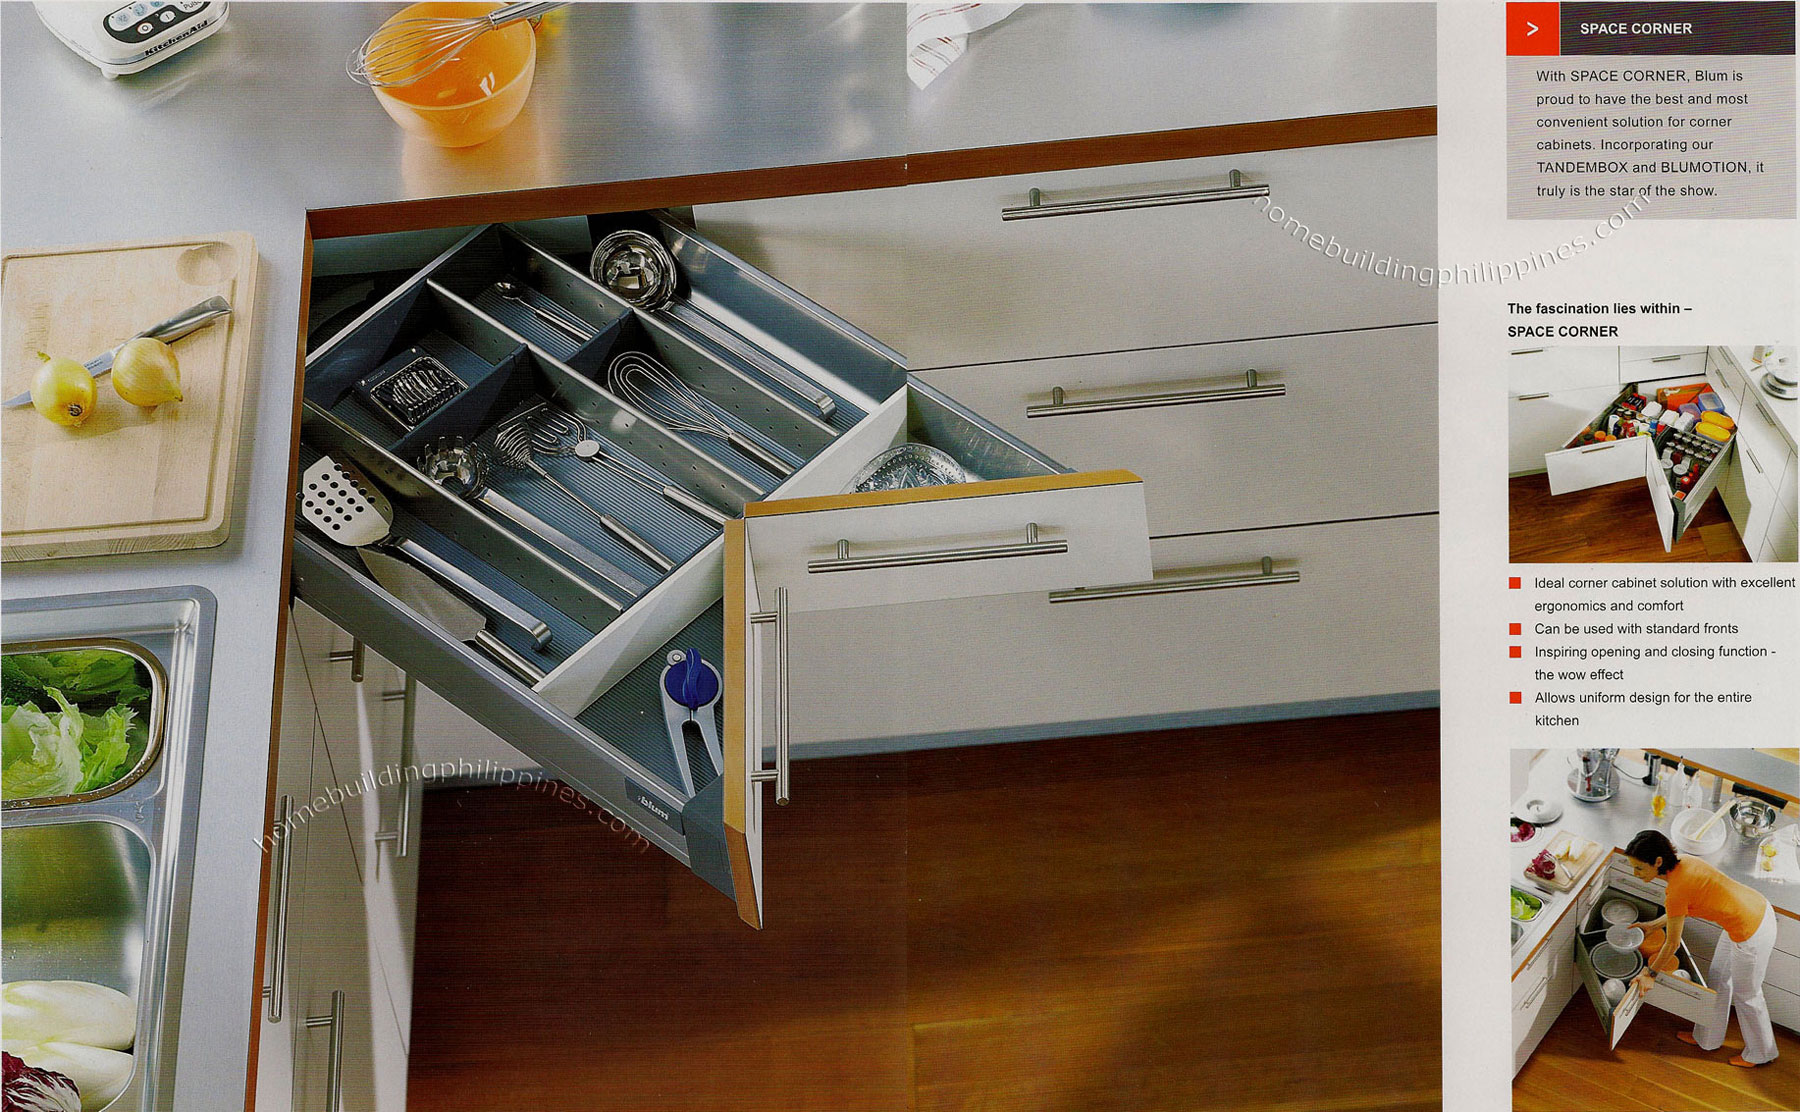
[99, 889]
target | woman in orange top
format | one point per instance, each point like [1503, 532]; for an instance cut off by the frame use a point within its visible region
[1747, 920]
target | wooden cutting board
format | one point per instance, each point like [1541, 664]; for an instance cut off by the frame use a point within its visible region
[1567, 873]
[130, 479]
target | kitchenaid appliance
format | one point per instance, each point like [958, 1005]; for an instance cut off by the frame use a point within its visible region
[124, 38]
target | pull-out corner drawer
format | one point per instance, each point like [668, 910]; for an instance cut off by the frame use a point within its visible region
[579, 684]
[1684, 993]
[1235, 435]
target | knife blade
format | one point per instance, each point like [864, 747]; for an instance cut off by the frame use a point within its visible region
[191, 319]
[435, 603]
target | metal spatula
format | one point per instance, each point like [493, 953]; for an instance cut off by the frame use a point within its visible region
[350, 510]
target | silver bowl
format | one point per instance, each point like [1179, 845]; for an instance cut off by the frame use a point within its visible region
[1753, 819]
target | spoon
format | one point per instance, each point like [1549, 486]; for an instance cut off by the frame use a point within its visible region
[512, 291]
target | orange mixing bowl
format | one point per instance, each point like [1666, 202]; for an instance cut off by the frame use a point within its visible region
[473, 97]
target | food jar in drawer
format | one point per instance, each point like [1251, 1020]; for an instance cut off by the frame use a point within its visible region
[532, 526]
[1114, 258]
[1236, 435]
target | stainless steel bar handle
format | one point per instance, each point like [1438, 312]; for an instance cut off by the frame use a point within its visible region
[1252, 388]
[778, 617]
[1036, 207]
[400, 837]
[355, 654]
[334, 1060]
[1529, 351]
[1751, 456]
[1031, 546]
[1531, 397]
[1600, 447]
[1666, 358]
[1267, 577]
[275, 992]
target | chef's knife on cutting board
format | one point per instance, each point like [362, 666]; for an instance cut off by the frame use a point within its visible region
[189, 320]
[438, 605]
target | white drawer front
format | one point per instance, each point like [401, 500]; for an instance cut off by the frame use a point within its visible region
[851, 551]
[1360, 622]
[1540, 423]
[1787, 936]
[1555, 369]
[1593, 465]
[1636, 364]
[1784, 1007]
[981, 289]
[1218, 454]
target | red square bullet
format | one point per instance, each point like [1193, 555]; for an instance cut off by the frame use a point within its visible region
[1515, 629]
[1512, 583]
[1516, 697]
[1515, 652]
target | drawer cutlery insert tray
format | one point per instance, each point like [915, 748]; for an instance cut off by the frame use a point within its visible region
[513, 314]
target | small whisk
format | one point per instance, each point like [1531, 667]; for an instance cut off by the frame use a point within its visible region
[559, 433]
[657, 391]
[513, 447]
[405, 50]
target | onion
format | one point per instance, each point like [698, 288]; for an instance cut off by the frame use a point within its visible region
[146, 373]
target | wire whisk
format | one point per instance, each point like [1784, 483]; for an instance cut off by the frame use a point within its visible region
[513, 447]
[403, 51]
[656, 390]
[557, 432]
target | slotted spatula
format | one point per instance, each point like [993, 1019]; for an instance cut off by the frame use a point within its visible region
[352, 511]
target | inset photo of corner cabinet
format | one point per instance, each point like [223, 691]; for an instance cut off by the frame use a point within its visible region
[1615, 454]
[1605, 982]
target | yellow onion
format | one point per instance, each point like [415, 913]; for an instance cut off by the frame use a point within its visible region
[145, 372]
[63, 391]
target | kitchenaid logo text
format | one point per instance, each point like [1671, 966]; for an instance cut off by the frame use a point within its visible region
[1462, 274]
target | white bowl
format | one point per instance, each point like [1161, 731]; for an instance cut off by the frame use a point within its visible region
[1623, 937]
[1614, 989]
[1692, 819]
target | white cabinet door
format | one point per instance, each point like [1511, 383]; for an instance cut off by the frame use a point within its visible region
[1556, 370]
[1219, 451]
[1542, 422]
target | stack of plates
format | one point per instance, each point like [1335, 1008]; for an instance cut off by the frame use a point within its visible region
[1616, 912]
[1623, 964]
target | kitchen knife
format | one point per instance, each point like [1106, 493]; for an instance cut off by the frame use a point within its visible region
[435, 603]
[191, 319]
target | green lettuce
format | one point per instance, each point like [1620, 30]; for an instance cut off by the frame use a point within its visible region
[84, 676]
[67, 752]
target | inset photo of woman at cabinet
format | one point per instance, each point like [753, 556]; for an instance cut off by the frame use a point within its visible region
[1664, 887]
[1614, 454]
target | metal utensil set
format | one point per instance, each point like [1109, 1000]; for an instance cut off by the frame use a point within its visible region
[514, 447]
[343, 504]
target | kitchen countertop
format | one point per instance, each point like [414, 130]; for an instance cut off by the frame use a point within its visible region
[1151, 67]
[257, 125]
[1785, 412]
[1612, 825]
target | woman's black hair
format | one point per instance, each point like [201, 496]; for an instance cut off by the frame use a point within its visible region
[1649, 845]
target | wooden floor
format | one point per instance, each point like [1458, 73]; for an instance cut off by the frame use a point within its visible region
[1241, 918]
[1652, 1071]
[1611, 524]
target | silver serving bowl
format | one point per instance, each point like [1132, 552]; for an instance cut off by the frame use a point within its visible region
[1752, 818]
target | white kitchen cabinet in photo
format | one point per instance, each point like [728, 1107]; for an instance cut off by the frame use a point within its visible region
[1637, 363]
